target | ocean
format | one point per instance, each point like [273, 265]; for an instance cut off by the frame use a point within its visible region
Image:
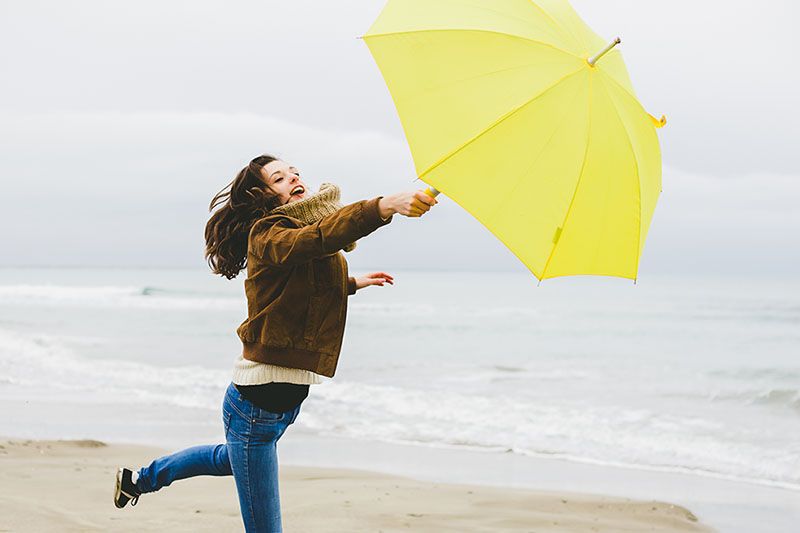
[671, 374]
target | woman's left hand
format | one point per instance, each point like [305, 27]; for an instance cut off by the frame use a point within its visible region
[373, 278]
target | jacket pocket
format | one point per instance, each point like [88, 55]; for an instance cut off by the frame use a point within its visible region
[316, 304]
[325, 271]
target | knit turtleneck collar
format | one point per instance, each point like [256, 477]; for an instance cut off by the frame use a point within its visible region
[308, 210]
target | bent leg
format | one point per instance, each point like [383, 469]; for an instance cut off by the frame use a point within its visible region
[204, 460]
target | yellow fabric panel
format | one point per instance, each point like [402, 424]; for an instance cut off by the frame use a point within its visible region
[644, 143]
[613, 65]
[566, 18]
[502, 72]
[600, 233]
[512, 17]
[517, 180]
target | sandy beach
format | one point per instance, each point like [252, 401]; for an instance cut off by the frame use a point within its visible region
[66, 485]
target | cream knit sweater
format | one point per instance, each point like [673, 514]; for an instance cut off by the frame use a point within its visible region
[247, 372]
[308, 210]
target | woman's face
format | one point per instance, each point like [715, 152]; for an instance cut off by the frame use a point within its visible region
[284, 179]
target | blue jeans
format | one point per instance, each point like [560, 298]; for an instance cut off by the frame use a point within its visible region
[249, 454]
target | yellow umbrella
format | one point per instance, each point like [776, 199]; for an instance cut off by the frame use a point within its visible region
[520, 113]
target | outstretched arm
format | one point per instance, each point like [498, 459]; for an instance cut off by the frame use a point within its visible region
[279, 243]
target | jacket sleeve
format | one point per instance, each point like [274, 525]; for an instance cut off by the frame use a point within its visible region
[351, 285]
[277, 242]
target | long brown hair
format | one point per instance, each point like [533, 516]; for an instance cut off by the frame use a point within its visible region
[244, 200]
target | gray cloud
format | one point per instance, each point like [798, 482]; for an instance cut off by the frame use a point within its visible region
[119, 122]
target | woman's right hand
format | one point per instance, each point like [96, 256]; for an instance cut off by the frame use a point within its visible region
[406, 203]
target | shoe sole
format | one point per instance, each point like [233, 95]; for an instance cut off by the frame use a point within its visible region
[118, 491]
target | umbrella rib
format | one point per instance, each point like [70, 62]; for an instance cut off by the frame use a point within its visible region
[625, 90]
[535, 160]
[497, 123]
[638, 179]
[476, 76]
[557, 25]
[407, 32]
[566, 32]
[561, 28]
[577, 183]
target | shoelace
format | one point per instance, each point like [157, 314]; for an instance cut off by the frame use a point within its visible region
[134, 498]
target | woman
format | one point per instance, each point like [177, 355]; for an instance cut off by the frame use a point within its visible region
[297, 288]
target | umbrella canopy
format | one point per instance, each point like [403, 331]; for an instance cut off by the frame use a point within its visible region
[520, 113]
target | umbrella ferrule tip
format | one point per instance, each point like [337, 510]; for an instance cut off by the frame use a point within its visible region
[592, 60]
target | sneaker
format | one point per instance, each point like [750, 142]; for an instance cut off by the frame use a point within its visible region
[124, 489]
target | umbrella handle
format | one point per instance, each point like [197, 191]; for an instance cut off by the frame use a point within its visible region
[430, 191]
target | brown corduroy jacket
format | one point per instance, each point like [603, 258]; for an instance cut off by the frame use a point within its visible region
[297, 287]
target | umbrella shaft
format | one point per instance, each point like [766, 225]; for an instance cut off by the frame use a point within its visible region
[604, 51]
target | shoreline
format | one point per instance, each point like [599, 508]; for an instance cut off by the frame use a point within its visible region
[711, 474]
[314, 498]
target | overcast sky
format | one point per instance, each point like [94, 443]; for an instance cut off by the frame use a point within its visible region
[120, 120]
